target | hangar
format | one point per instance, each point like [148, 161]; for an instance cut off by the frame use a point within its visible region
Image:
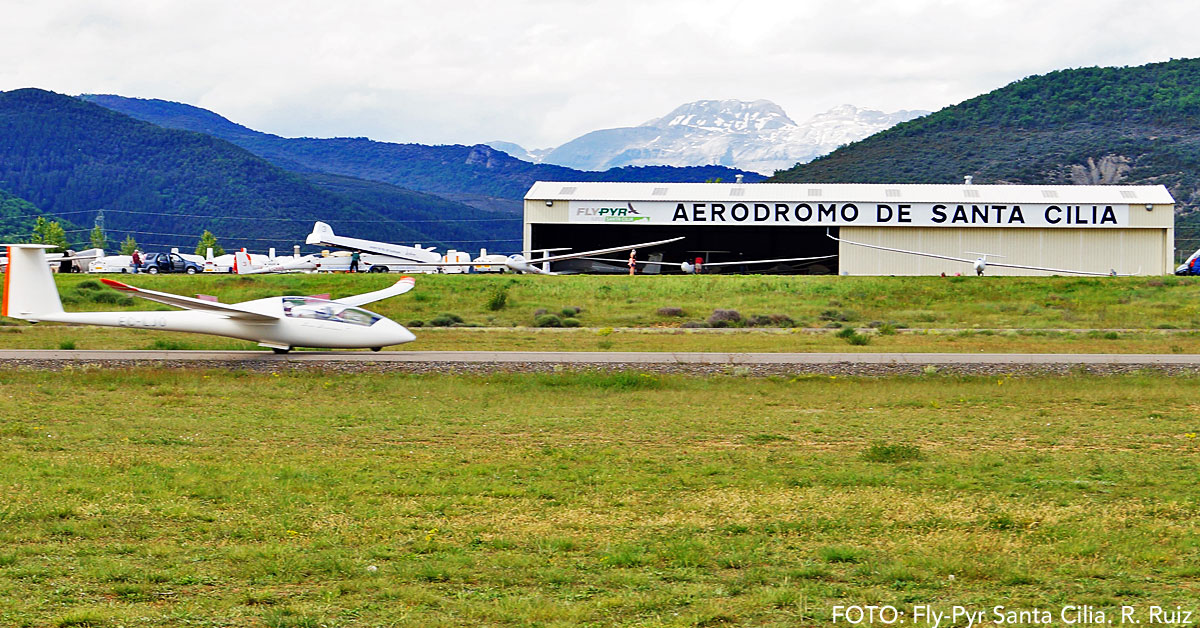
[1129, 229]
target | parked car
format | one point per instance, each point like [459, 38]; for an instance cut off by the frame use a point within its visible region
[170, 263]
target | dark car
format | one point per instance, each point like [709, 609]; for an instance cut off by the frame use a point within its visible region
[169, 263]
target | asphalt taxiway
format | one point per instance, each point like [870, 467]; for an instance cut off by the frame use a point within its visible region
[666, 362]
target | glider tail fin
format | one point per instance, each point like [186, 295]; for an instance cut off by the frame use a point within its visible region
[242, 264]
[29, 288]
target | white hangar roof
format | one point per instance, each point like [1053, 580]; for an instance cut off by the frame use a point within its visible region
[855, 192]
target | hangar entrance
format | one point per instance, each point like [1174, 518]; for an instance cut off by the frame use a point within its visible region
[712, 244]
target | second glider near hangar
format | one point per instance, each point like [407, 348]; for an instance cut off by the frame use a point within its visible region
[280, 323]
[981, 263]
[323, 234]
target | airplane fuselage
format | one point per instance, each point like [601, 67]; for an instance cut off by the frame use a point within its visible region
[325, 327]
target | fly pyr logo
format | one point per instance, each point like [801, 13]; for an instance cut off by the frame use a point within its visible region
[608, 211]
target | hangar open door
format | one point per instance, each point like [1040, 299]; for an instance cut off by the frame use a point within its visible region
[710, 244]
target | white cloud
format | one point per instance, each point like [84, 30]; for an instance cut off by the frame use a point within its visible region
[541, 72]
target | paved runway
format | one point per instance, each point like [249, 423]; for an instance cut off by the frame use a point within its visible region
[732, 363]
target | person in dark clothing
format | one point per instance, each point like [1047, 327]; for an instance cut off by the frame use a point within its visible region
[136, 262]
[354, 257]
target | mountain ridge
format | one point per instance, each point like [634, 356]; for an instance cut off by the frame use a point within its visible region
[1098, 125]
[752, 135]
[65, 156]
[477, 175]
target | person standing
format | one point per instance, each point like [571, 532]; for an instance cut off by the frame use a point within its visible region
[354, 257]
[632, 262]
[136, 261]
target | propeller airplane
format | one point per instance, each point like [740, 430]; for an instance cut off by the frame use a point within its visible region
[280, 323]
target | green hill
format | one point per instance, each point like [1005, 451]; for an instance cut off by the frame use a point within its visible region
[477, 175]
[70, 158]
[1131, 125]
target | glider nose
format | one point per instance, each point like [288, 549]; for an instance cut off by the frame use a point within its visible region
[399, 334]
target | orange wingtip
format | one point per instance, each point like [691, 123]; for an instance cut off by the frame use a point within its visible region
[408, 279]
[112, 283]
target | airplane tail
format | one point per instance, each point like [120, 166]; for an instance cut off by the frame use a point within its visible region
[241, 263]
[29, 288]
[320, 233]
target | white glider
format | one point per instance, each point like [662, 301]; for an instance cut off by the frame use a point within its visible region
[280, 323]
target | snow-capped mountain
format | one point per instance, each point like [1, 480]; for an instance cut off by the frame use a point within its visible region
[757, 136]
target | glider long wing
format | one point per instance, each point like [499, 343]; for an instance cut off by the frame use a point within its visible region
[971, 261]
[188, 303]
[613, 249]
[400, 287]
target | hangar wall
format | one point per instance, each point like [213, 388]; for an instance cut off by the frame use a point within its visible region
[1144, 251]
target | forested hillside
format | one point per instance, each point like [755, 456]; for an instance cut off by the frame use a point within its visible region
[71, 158]
[1138, 125]
[478, 175]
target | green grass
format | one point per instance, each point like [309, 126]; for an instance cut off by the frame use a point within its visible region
[48, 336]
[306, 499]
[916, 302]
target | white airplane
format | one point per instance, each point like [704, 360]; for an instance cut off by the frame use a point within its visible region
[244, 264]
[539, 265]
[981, 263]
[280, 323]
[323, 234]
[58, 259]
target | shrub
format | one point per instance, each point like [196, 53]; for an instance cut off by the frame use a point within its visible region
[541, 311]
[724, 318]
[858, 339]
[887, 329]
[89, 284]
[445, 319]
[885, 452]
[571, 311]
[547, 320]
[498, 300]
[845, 332]
[415, 323]
[67, 345]
[758, 320]
[782, 320]
[670, 311]
[695, 325]
[570, 322]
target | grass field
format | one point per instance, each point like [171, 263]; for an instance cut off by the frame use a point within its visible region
[913, 302]
[651, 339]
[140, 498]
[930, 314]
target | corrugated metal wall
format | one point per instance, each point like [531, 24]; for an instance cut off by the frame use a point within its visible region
[1143, 251]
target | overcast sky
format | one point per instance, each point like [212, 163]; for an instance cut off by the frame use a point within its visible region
[541, 72]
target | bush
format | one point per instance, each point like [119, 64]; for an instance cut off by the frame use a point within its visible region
[547, 320]
[887, 329]
[446, 319]
[845, 332]
[67, 345]
[571, 311]
[695, 325]
[724, 318]
[570, 322]
[859, 339]
[415, 323]
[541, 311]
[670, 311]
[782, 320]
[758, 320]
[498, 300]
